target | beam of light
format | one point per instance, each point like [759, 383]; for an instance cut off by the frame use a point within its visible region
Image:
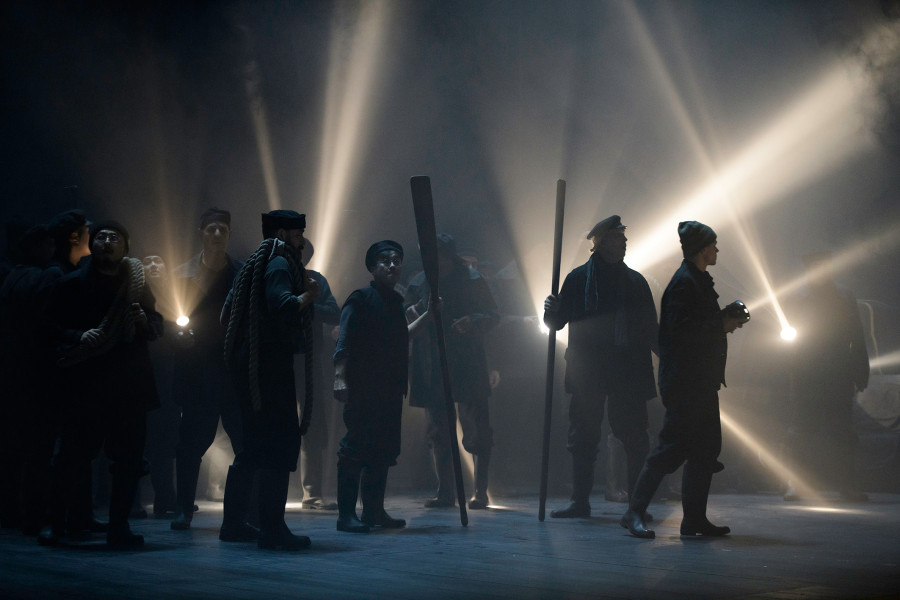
[808, 139]
[788, 334]
[257, 106]
[682, 116]
[885, 361]
[843, 260]
[356, 64]
[827, 509]
[770, 460]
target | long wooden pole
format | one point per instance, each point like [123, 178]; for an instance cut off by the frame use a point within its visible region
[551, 345]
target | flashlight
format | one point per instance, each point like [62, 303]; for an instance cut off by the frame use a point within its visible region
[737, 310]
[182, 321]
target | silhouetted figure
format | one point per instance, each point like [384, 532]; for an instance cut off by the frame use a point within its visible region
[269, 317]
[162, 424]
[24, 444]
[692, 353]
[612, 331]
[202, 384]
[831, 365]
[469, 313]
[370, 377]
[105, 314]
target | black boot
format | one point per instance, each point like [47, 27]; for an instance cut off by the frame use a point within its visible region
[644, 488]
[348, 480]
[274, 533]
[187, 471]
[372, 488]
[121, 497]
[582, 482]
[694, 494]
[479, 500]
[236, 506]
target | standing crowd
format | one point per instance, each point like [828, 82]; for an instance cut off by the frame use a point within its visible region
[80, 318]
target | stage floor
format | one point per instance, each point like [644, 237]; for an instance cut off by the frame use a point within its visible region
[777, 550]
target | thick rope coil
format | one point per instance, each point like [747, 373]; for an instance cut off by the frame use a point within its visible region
[248, 304]
[118, 323]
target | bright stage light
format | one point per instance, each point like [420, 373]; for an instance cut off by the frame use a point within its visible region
[357, 58]
[789, 334]
[182, 321]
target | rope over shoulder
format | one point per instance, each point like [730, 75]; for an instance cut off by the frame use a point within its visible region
[247, 309]
[118, 324]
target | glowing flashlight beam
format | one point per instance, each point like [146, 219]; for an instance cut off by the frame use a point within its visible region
[785, 474]
[349, 104]
[257, 106]
[885, 361]
[848, 258]
[773, 164]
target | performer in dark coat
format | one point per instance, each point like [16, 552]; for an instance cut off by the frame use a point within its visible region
[831, 364]
[612, 330]
[269, 318]
[24, 441]
[371, 362]
[469, 313]
[202, 385]
[692, 352]
[105, 315]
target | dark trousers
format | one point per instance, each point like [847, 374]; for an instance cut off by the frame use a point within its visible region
[691, 432]
[478, 438]
[206, 394]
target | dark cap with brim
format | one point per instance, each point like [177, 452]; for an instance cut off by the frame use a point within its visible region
[613, 223]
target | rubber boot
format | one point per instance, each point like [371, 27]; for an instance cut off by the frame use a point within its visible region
[274, 533]
[372, 488]
[121, 497]
[187, 472]
[236, 506]
[694, 494]
[348, 481]
[443, 467]
[644, 488]
[479, 500]
[582, 482]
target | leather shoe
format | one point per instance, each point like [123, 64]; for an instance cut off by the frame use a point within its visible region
[351, 525]
[575, 510]
[476, 503]
[318, 504]
[384, 520]
[633, 522]
[439, 502]
[182, 521]
[283, 540]
[703, 527]
[238, 532]
[123, 539]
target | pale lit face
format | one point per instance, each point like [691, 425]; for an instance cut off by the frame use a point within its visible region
[388, 269]
[215, 237]
[709, 254]
[154, 267]
[108, 246]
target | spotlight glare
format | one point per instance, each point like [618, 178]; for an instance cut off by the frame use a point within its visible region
[182, 321]
[788, 334]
